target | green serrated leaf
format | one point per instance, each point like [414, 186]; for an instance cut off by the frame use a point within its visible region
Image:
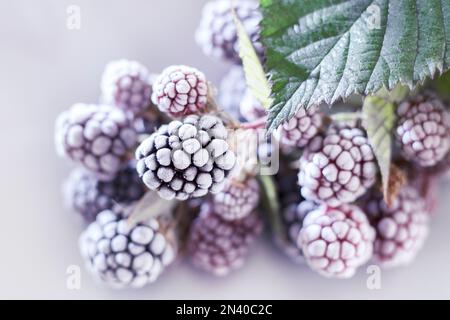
[324, 50]
[150, 206]
[254, 71]
[379, 118]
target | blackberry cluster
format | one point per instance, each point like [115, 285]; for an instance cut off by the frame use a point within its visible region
[293, 216]
[96, 136]
[339, 167]
[196, 185]
[336, 241]
[237, 200]
[127, 85]
[300, 129]
[88, 195]
[180, 91]
[221, 246]
[121, 255]
[217, 34]
[186, 159]
[423, 130]
[401, 228]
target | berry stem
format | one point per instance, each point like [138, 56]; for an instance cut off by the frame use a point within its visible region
[257, 124]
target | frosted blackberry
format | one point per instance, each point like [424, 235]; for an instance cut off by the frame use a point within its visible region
[427, 185]
[337, 168]
[231, 91]
[126, 84]
[237, 200]
[401, 229]
[121, 255]
[292, 217]
[180, 91]
[89, 196]
[300, 129]
[217, 34]
[423, 130]
[186, 159]
[219, 246]
[97, 137]
[336, 241]
[250, 108]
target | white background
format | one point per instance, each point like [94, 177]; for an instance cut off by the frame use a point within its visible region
[44, 68]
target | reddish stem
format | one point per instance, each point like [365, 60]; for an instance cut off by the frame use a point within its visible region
[257, 124]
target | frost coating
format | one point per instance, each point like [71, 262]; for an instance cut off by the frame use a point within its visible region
[250, 108]
[423, 130]
[217, 34]
[90, 196]
[336, 241]
[220, 246]
[180, 90]
[300, 129]
[231, 91]
[186, 159]
[127, 85]
[97, 137]
[337, 168]
[121, 255]
[401, 229]
[293, 216]
[237, 200]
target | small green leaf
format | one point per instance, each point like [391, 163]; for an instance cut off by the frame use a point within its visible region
[379, 117]
[254, 71]
[150, 206]
[325, 50]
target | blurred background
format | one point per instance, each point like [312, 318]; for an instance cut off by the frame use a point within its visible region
[44, 68]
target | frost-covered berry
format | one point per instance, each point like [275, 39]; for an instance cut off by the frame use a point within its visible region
[97, 137]
[292, 218]
[336, 241]
[180, 90]
[338, 168]
[442, 167]
[89, 196]
[231, 91]
[126, 84]
[426, 183]
[217, 34]
[423, 130]
[300, 129]
[250, 108]
[401, 228]
[220, 246]
[186, 159]
[121, 255]
[237, 200]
